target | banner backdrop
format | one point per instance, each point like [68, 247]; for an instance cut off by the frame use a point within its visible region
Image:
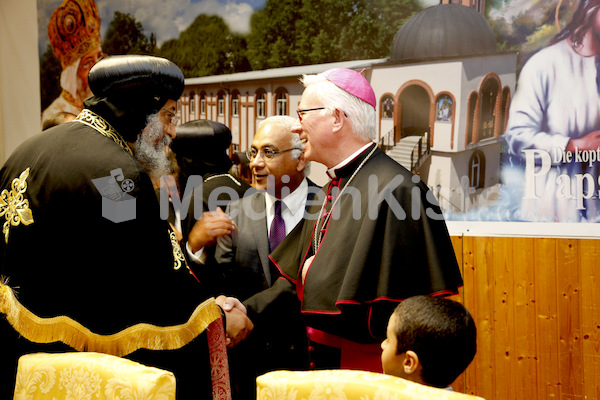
[521, 145]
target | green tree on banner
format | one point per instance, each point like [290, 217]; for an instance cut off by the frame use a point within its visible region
[125, 35]
[299, 32]
[207, 47]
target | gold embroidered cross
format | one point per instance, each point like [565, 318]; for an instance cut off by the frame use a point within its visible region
[13, 206]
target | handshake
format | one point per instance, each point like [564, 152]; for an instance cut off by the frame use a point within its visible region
[238, 325]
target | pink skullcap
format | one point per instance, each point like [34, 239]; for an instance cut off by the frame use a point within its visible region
[352, 82]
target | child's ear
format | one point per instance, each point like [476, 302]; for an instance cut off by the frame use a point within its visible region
[411, 363]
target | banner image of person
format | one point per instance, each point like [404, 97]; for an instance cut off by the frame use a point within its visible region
[549, 133]
[552, 141]
[74, 36]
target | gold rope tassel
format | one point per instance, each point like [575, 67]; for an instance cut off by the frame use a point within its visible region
[140, 336]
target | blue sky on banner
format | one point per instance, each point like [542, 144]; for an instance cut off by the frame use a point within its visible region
[166, 19]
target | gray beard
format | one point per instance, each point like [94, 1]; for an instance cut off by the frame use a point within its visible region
[152, 155]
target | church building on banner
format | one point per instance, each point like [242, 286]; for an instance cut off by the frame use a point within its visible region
[443, 97]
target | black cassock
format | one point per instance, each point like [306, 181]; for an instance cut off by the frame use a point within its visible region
[71, 260]
[386, 240]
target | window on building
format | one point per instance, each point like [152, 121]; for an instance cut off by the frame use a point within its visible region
[477, 170]
[489, 95]
[202, 104]
[235, 107]
[261, 104]
[282, 102]
[221, 106]
[192, 106]
[387, 107]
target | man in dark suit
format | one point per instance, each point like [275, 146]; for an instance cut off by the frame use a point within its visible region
[279, 172]
[278, 169]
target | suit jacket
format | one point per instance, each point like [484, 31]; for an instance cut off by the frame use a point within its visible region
[279, 339]
[244, 256]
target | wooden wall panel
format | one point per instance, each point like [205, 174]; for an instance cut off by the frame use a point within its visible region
[504, 364]
[525, 318]
[547, 324]
[483, 268]
[536, 302]
[569, 309]
[590, 322]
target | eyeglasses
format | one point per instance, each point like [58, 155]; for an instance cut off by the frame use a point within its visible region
[300, 112]
[266, 153]
[174, 117]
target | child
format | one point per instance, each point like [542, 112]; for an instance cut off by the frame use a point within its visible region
[430, 340]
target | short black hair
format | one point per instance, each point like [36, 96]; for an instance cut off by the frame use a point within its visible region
[441, 332]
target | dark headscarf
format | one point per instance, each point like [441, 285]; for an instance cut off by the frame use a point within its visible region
[128, 89]
[200, 147]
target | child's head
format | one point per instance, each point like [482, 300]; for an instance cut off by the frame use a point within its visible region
[430, 340]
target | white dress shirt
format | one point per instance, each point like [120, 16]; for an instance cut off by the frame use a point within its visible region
[292, 209]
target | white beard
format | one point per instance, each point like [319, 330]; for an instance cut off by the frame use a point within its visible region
[150, 153]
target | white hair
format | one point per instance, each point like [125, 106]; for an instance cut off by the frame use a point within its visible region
[361, 114]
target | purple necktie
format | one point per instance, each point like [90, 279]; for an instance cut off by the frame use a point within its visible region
[277, 227]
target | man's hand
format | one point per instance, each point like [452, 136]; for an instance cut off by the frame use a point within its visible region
[238, 324]
[208, 228]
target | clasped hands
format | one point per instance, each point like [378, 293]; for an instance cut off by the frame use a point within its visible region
[238, 324]
[205, 232]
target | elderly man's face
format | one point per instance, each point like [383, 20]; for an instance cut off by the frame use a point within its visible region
[168, 116]
[315, 127]
[286, 171]
[152, 145]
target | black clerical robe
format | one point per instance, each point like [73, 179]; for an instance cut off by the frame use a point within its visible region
[64, 256]
[386, 240]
